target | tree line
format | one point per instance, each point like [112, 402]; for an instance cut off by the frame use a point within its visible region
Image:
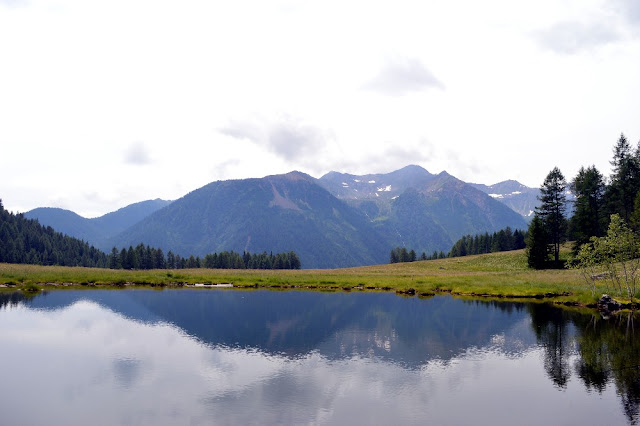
[503, 240]
[26, 241]
[145, 257]
[597, 201]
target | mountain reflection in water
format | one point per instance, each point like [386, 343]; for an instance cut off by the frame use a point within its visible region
[308, 357]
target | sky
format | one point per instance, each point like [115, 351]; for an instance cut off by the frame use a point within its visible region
[107, 103]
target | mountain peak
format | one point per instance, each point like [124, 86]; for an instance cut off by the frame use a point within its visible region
[292, 176]
[413, 168]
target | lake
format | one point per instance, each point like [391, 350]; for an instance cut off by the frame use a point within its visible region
[216, 356]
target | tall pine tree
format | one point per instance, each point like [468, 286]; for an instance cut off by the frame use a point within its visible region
[588, 218]
[552, 209]
[537, 244]
[625, 179]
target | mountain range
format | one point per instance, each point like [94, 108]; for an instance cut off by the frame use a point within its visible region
[518, 197]
[337, 220]
[99, 230]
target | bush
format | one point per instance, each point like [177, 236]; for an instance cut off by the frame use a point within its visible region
[31, 288]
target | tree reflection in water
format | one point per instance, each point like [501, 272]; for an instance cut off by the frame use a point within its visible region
[597, 352]
[607, 351]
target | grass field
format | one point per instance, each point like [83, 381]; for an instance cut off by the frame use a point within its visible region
[499, 275]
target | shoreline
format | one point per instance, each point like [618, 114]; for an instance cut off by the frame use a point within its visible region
[557, 299]
[499, 276]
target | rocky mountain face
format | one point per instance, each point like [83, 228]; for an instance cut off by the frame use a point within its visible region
[516, 196]
[375, 186]
[520, 198]
[416, 209]
[338, 220]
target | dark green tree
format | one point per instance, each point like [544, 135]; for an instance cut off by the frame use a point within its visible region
[133, 261]
[404, 255]
[171, 260]
[634, 221]
[588, 216]
[625, 179]
[552, 210]
[114, 259]
[294, 260]
[518, 240]
[537, 244]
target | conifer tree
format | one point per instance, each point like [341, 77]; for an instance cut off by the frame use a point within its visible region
[552, 209]
[404, 255]
[412, 256]
[537, 244]
[625, 179]
[587, 221]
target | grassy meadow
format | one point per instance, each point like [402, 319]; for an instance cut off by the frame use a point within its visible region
[497, 275]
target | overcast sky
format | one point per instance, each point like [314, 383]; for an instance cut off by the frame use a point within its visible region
[106, 103]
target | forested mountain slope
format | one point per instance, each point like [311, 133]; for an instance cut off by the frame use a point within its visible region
[24, 240]
[335, 221]
[275, 213]
[96, 230]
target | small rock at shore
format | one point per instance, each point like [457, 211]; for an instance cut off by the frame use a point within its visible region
[607, 306]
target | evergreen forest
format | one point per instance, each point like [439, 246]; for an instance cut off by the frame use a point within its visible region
[503, 240]
[25, 241]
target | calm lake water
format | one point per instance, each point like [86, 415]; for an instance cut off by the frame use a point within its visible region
[181, 357]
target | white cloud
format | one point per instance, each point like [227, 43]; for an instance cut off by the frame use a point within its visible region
[14, 3]
[289, 138]
[138, 154]
[629, 9]
[574, 36]
[215, 92]
[402, 76]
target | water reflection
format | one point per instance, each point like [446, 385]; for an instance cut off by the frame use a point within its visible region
[233, 357]
[607, 352]
[405, 330]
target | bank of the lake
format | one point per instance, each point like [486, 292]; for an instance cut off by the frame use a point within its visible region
[500, 275]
